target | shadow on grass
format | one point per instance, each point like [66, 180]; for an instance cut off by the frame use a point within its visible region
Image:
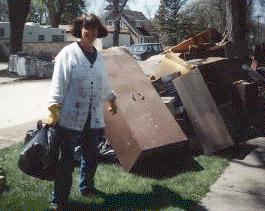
[170, 168]
[161, 197]
[172, 162]
[238, 151]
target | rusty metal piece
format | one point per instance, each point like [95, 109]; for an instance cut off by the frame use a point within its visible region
[141, 95]
[132, 96]
[143, 133]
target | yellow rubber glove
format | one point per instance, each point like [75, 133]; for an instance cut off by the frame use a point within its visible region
[112, 107]
[54, 114]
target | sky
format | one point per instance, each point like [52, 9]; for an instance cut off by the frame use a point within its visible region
[97, 6]
[259, 11]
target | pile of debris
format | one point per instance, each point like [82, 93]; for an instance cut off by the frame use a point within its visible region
[221, 100]
[25, 65]
[211, 100]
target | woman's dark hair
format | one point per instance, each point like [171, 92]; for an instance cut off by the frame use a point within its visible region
[88, 21]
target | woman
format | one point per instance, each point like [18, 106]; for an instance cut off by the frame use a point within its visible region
[79, 86]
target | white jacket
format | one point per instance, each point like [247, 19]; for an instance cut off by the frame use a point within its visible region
[77, 84]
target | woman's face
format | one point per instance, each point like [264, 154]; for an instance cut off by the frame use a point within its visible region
[89, 34]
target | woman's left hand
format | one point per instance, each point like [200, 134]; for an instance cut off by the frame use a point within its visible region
[112, 107]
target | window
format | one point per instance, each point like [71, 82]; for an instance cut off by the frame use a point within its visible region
[41, 37]
[138, 23]
[109, 23]
[160, 47]
[2, 32]
[156, 48]
[141, 48]
[149, 49]
[132, 49]
[122, 24]
[58, 38]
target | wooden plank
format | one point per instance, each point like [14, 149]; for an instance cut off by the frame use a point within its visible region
[206, 36]
[203, 112]
[141, 125]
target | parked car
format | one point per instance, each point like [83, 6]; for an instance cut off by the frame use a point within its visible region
[145, 50]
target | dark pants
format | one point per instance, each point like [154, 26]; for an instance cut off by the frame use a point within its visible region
[89, 147]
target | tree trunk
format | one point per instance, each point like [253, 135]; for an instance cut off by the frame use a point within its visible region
[117, 16]
[236, 27]
[18, 11]
[117, 8]
[117, 29]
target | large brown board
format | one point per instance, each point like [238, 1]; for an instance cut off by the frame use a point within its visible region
[143, 132]
[202, 109]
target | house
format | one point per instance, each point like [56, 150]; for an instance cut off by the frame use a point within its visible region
[69, 37]
[124, 38]
[33, 34]
[135, 28]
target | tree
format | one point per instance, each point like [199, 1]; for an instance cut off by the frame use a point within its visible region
[148, 11]
[169, 22]
[205, 13]
[236, 28]
[38, 11]
[116, 7]
[55, 9]
[72, 10]
[18, 11]
[3, 11]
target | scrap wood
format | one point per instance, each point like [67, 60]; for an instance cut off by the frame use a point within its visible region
[176, 58]
[171, 64]
[208, 36]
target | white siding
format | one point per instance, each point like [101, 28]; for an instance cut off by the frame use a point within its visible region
[124, 40]
[33, 33]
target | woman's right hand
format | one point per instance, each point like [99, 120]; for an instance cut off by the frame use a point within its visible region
[54, 114]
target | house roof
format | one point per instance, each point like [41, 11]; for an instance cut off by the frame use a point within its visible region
[131, 17]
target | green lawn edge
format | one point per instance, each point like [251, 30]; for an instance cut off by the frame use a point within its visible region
[122, 191]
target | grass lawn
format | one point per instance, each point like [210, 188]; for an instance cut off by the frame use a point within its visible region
[120, 190]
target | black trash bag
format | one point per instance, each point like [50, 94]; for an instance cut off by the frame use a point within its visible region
[41, 153]
[106, 153]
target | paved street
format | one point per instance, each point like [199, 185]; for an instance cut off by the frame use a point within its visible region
[22, 104]
[3, 66]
